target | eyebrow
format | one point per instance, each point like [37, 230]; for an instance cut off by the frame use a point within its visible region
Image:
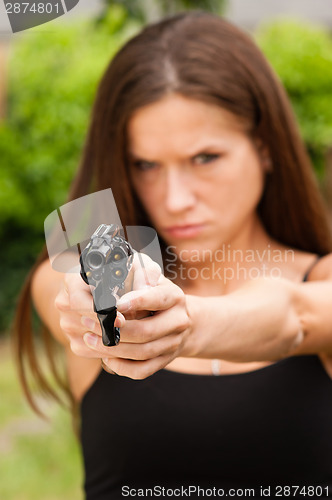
[134, 156]
[206, 148]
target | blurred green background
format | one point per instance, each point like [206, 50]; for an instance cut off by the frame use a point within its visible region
[51, 81]
[52, 78]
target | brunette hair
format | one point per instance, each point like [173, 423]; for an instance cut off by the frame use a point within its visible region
[204, 57]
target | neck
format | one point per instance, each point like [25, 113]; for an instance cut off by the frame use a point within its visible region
[245, 256]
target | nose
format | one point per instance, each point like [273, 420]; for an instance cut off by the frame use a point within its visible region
[180, 192]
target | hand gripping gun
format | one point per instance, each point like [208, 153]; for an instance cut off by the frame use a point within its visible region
[105, 264]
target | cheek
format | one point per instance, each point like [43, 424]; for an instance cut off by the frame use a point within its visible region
[148, 195]
[250, 186]
[239, 190]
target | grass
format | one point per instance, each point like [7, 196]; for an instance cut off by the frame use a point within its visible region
[38, 460]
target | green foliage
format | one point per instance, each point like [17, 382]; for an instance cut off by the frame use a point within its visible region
[148, 10]
[216, 6]
[53, 77]
[301, 54]
[52, 82]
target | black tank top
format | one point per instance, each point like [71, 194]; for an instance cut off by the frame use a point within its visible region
[267, 428]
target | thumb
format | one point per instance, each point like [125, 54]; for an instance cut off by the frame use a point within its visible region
[146, 272]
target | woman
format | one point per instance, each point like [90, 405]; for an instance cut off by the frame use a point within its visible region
[194, 134]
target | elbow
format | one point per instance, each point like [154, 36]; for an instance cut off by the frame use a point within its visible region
[294, 330]
[295, 342]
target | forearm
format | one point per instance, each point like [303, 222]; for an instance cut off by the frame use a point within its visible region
[258, 322]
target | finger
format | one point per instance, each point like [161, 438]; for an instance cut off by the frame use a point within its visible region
[130, 315]
[73, 281]
[78, 347]
[75, 296]
[154, 327]
[74, 324]
[70, 323]
[151, 299]
[140, 352]
[95, 343]
[144, 273]
[93, 325]
[136, 370]
[62, 300]
[147, 272]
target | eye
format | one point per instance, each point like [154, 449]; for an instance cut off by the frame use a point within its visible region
[143, 165]
[204, 158]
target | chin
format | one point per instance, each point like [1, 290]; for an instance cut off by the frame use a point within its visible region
[193, 252]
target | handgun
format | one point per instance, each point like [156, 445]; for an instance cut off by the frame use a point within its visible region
[105, 264]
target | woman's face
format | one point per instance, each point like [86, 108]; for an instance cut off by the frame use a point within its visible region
[196, 172]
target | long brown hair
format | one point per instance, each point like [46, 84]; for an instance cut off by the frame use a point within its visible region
[204, 57]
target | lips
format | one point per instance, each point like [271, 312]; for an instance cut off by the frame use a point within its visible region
[185, 231]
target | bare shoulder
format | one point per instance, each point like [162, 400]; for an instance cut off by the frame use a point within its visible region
[44, 278]
[322, 269]
[296, 263]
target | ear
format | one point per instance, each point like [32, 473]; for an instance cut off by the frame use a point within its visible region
[264, 155]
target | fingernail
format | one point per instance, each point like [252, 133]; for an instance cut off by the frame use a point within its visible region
[88, 322]
[123, 305]
[119, 322]
[90, 339]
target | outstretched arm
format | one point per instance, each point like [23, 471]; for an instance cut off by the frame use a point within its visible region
[266, 319]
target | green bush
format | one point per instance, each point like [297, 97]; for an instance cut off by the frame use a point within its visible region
[145, 11]
[301, 54]
[52, 82]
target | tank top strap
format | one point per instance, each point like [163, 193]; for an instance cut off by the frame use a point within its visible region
[312, 265]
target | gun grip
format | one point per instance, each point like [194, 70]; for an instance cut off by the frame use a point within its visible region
[110, 333]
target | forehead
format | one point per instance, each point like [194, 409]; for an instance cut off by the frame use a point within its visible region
[180, 122]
